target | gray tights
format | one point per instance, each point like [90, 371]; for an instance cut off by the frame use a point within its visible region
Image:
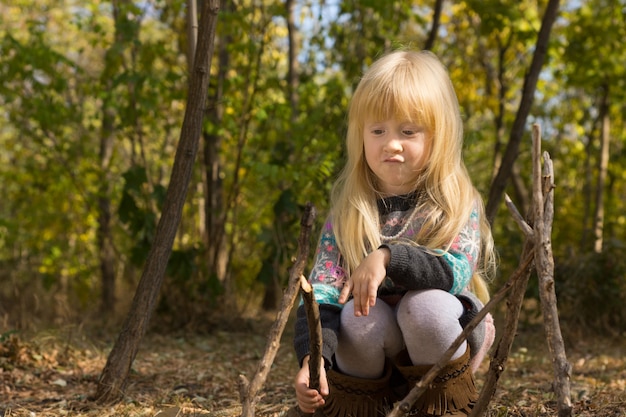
[424, 322]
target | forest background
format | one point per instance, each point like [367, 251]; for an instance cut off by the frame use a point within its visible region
[92, 97]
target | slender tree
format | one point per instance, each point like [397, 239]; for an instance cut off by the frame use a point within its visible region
[126, 31]
[292, 62]
[434, 28]
[271, 270]
[192, 32]
[214, 210]
[517, 131]
[112, 381]
[603, 166]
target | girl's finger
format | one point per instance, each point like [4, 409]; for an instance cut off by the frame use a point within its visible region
[373, 293]
[365, 305]
[362, 295]
[356, 298]
[345, 292]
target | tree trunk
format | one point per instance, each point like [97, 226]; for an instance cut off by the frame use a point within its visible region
[107, 255]
[192, 32]
[292, 74]
[495, 76]
[499, 119]
[282, 218]
[432, 34]
[214, 210]
[107, 136]
[517, 131]
[245, 122]
[586, 221]
[105, 240]
[112, 381]
[603, 164]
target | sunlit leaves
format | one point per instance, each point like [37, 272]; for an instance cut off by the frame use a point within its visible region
[56, 79]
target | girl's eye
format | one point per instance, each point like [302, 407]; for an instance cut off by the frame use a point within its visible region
[378, 131]
[411, 131]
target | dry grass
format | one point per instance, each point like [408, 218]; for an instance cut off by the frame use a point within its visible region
[53, 373]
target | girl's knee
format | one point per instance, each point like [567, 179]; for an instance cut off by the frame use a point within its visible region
[376, 325]
[429, 321]
[429, 312]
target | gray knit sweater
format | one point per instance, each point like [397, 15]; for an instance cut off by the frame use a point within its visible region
[410, 268]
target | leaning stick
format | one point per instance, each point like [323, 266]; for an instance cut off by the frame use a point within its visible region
[545, 271]
[537, 243]
[503, 347]
[248, 390]
[312, 311]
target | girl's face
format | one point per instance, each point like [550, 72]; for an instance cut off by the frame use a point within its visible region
[397, 152]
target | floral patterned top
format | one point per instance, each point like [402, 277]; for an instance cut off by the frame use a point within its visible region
[328, 276]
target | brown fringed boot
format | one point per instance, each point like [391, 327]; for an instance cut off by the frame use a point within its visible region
[452, 393]
[358, 397]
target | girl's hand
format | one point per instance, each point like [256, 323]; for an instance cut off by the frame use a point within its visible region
[365, 280]
[309, 399]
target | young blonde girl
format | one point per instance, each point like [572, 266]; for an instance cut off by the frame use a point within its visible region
[400, 265]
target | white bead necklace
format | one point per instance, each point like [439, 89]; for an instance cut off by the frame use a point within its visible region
[405, 227]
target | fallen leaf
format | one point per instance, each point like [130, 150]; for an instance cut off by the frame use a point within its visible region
[170, 412]
[60, 382]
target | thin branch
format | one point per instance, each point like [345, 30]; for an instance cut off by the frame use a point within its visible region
[528, 231]
[503, 347]
[248, 390]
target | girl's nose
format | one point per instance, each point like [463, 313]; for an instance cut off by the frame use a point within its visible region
[393, 145]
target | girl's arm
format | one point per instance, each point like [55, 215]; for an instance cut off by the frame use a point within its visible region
[416, 267]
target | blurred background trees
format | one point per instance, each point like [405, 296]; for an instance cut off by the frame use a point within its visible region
[92, 96]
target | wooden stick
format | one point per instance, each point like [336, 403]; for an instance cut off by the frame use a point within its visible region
[528, 231]
[248, 390]
[516, 298]
[503, 347]
[315, 342]
[315, 332]
[545, 271]
[537, 243]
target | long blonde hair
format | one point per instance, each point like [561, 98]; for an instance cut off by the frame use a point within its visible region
[414, 86]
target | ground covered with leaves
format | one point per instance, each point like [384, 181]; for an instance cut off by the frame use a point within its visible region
[54, 373]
